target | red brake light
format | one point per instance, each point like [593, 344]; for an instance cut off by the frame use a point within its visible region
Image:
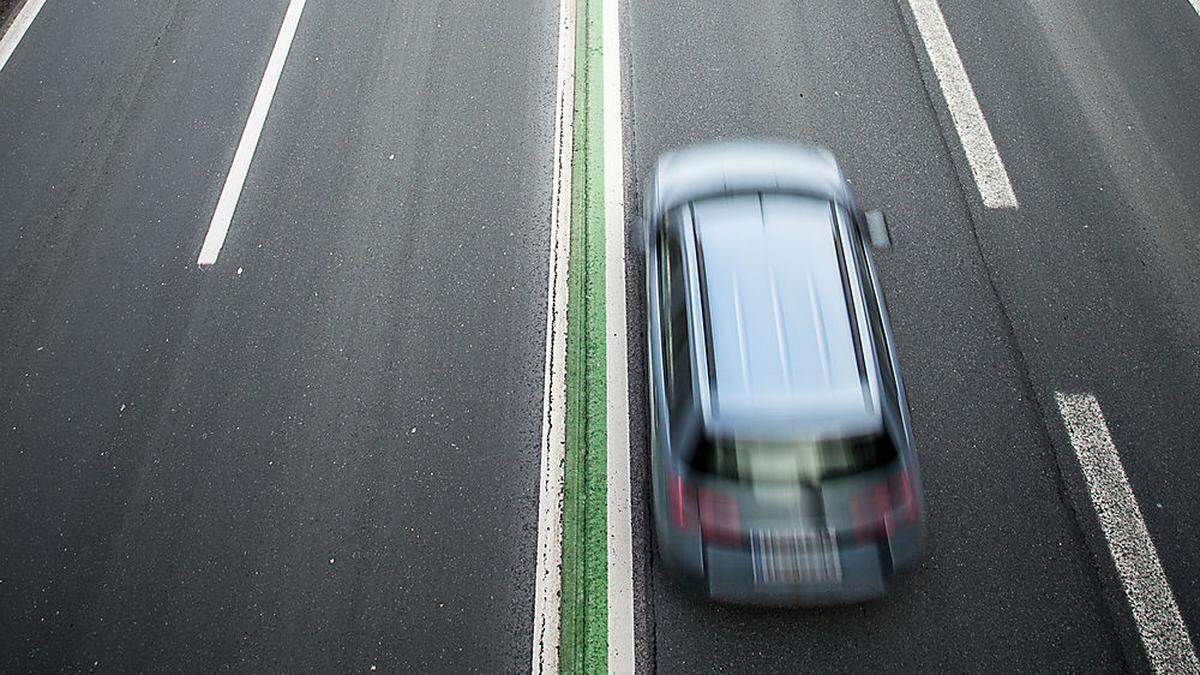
[872, 508]
[719, 521]
[681, 502]
[903, 496]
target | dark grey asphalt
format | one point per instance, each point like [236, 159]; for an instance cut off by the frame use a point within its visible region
[328, 461]
[1088, 287]
[1097, 114]
[321, 454]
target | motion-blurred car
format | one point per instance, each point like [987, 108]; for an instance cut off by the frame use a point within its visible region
[783, 463]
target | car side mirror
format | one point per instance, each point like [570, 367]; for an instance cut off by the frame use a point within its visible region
[877, 230]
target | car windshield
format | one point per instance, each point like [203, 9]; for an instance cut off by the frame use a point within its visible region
[794, 461]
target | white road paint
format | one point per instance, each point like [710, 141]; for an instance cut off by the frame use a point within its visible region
[973, 132]
[1195, 5]
[1164, 636]
[16, 31]
[547, 594]
[620, 529]
[218, 227]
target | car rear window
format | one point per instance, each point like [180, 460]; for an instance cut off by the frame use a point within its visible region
[794, 461]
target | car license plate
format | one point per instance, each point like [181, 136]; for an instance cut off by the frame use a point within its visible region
[806, 557]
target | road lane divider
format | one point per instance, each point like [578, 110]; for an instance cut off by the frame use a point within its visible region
[619, 516]
[16, 31]
[991, 178]
[1155, 612]
[584, 571]
[227, 203]
[595, 615]
[548, 573]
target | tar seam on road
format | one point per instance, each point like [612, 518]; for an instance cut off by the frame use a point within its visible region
[991, 178]
[10, 40]
[218, 227]
[1161, 627]
[620, 526]
[548, 574]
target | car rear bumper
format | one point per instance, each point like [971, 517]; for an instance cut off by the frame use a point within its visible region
[736, 576]
[861, 573]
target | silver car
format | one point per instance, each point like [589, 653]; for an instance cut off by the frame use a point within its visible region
[783, 463]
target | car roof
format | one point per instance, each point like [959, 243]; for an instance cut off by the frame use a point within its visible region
[780, 325]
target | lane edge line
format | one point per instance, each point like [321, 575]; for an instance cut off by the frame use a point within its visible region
[619, 506]
[547, 597]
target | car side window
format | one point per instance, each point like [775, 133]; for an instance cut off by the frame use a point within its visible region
[878, 337]
[675, 330]
[881, 348]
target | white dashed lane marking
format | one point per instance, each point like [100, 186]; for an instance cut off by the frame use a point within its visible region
[218, 227]
[1163, 634]
[12, 38]
[973, 132]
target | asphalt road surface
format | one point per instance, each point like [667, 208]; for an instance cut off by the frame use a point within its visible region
[321, 453]
[1089, 285]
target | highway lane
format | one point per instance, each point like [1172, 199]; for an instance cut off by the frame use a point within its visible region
[1009, 580]
[320, 453]
[100, 163]
[1097, 113]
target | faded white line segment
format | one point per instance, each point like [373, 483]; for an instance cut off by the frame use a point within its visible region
[973, 132]
[12, 38]
[620, 529]
[1163, 634]
[547, 593]
[218, 227]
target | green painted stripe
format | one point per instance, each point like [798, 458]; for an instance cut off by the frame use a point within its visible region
[584, 642]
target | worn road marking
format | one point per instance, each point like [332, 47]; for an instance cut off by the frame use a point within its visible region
[548, 580]
[218, 227]
[620, 529]
[990, 176]
[10, 40]
[1159, 623]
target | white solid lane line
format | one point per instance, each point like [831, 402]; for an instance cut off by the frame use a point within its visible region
[1195, 5]
[620, 529]
[218, 227]
[547, 592]
[1163, 634]
[990, 176]
[10, 40]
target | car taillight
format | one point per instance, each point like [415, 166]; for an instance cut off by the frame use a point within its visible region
[719, 522]
[681, 502]
[872, 508]
[903, 496]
